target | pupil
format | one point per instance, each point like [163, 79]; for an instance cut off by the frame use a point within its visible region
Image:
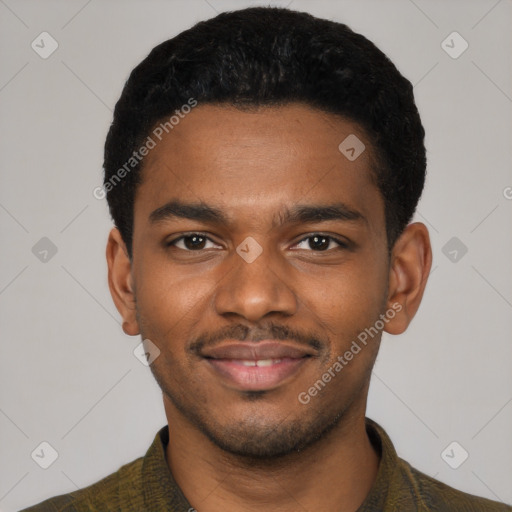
[193, 242]
[324, 243]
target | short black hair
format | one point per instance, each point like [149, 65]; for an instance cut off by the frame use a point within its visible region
[269, 56]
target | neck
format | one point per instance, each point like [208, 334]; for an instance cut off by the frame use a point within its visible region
[334, 474]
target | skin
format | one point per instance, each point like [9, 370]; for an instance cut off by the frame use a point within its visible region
[239, 451]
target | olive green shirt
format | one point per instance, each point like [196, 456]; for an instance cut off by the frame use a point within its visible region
[146, 484]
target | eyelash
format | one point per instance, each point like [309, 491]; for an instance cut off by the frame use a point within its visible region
[342, 245]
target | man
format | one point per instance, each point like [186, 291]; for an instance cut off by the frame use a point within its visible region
[262, 169]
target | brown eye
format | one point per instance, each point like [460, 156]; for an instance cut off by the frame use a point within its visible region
[192, 242]
[321, 243]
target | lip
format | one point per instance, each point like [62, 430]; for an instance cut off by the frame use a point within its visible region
[281, 362]
[266, 349]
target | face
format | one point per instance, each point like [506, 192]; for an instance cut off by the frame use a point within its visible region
[259, 257]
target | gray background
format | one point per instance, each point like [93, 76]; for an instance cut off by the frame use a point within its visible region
[68, 373]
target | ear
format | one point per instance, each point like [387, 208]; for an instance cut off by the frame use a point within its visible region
[120, 281]
[411, 260]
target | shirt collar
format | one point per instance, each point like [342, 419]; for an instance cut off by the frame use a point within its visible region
[387, 483]
[161, 492]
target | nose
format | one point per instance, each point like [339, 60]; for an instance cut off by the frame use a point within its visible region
[255, 289]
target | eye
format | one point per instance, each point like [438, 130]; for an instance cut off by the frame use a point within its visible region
[191, 242]
[321, 243]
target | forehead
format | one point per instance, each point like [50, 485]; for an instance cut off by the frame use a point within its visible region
[259, 160]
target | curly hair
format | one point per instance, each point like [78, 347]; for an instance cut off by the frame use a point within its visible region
[268, 56]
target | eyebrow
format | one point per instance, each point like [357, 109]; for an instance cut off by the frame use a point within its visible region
[193, 211]
[203, 212]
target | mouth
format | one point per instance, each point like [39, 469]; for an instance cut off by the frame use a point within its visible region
[260, 366]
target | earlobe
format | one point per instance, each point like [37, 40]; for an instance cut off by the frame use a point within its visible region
[411, 260]
[120, 281]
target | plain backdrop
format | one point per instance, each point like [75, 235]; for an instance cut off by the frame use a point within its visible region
[68, 374]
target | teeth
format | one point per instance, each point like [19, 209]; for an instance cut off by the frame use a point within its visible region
[265, 362]
[260, 362]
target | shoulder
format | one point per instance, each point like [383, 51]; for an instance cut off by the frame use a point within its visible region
[399, 486]
[435, 495]
[121, 490]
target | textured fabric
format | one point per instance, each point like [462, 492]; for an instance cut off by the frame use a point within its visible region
[146, 484]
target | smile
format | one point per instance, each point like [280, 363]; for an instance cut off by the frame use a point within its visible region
[259, 362]
[258, 366]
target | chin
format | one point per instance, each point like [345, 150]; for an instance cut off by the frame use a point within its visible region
[258, 438]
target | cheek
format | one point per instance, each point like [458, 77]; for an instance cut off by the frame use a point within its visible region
[349, 304]
[168, 300]
[350, 295]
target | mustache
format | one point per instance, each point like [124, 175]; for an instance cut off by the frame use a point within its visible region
[242, 332]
